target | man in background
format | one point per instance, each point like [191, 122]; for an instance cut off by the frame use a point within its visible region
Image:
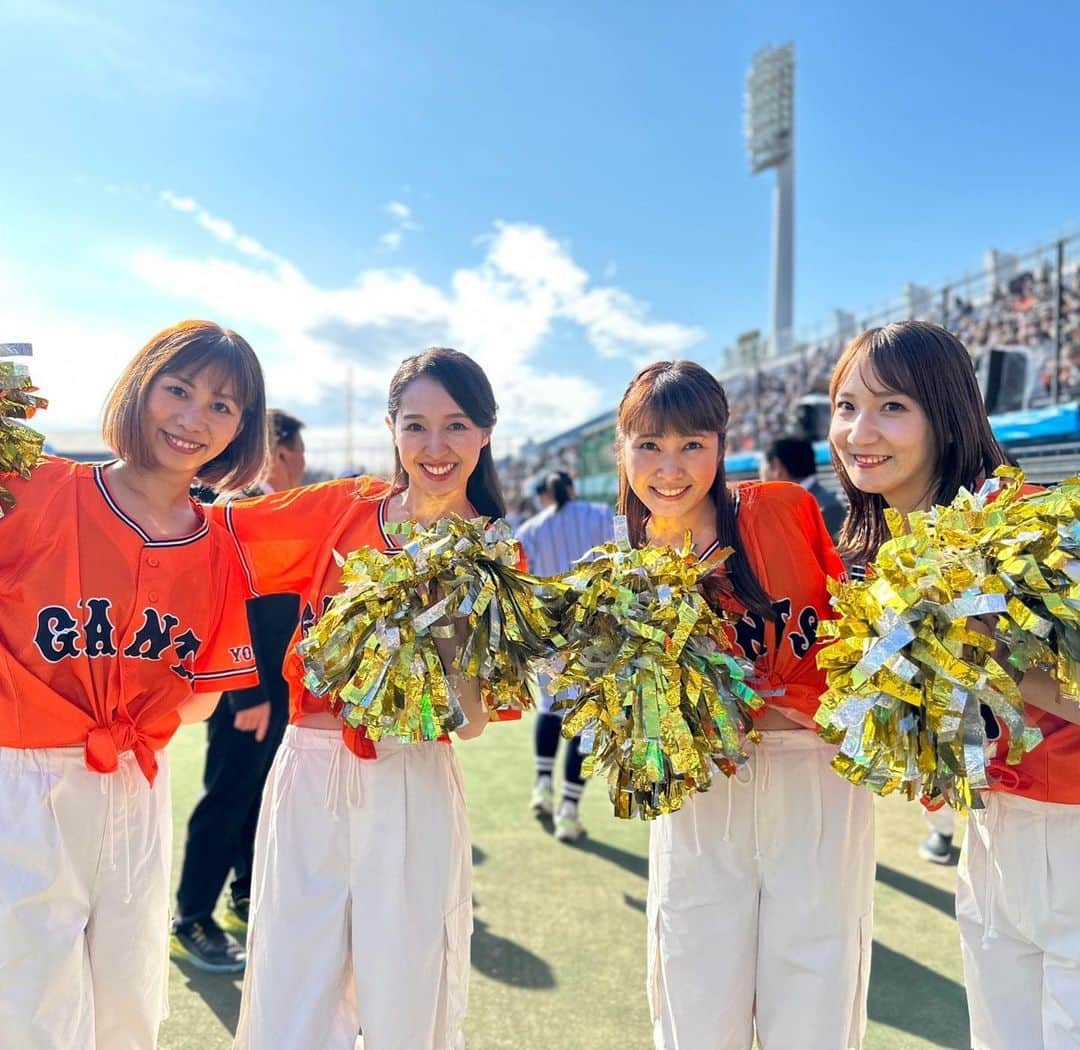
[792, 459]
[553, 540]
[243, 735]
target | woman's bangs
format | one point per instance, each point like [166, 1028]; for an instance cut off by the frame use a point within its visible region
[892, 367]
[230, 368]
[879, 363]
[671, 409]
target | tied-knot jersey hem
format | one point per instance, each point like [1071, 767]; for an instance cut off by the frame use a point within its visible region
[104, 631]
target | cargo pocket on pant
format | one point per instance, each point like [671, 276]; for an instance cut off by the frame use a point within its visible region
[857, 1029]
[457, 933]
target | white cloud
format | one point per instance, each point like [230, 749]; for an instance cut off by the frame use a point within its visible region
[501, 310]
[402, 213]
[222, 229]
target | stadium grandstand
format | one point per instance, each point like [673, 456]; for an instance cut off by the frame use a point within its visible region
[1019, 317]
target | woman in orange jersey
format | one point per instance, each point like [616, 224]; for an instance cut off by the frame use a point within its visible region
[361, 907]
[121, 615]
[760, 889]
[908, 430]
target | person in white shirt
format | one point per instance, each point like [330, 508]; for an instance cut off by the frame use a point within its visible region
[553, 540]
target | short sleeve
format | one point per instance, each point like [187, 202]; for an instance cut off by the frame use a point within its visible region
[226, 659]
[281, 536]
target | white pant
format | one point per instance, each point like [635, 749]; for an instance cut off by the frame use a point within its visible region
[361, 906]
[84, 902]
[761, 907]
[1018, 906]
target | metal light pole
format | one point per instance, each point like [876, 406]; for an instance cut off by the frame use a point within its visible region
[770, 141]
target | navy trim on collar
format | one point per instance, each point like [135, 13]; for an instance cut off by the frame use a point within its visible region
[183, 541]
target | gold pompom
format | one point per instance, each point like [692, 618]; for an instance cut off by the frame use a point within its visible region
[647, 678]
[955, 608]
[373, 651]
[20, 447]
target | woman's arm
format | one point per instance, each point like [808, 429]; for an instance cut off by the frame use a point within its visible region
[1040, 689]
[466, 688]
[198, 708]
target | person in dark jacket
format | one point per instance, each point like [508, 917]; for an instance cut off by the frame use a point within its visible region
[791, 458]
[243, 734]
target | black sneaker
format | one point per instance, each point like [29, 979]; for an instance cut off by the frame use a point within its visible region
[937, 848]
[206, 946]
[235, 919]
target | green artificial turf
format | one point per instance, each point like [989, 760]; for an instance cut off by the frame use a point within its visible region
[559, 949]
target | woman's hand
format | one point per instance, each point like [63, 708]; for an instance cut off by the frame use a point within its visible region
[466, 688]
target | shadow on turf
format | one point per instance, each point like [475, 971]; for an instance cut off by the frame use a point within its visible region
[940, 899]
[220, 992]
[634, 863]
[496, 957]
[503, 960]
[911, 997]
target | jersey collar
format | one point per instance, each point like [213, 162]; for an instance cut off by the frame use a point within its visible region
[183, 541]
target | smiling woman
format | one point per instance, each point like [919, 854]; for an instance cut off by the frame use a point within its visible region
[122, 613]
[909, 429]
[782, 877]
[374, 910]
[441, 411]
[189, 393]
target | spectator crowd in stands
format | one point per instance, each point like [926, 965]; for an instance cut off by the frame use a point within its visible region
[1018, 312]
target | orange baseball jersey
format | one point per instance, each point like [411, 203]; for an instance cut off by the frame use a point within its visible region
[791, 552]
[104, 632]
[1049, 772]
[287, 542]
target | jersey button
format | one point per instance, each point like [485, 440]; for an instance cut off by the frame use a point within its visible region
[153, 562]
[152, 595]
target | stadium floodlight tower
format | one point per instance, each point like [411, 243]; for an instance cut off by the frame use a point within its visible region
[770, 140]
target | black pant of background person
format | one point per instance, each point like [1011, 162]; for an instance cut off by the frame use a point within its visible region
[221, 831]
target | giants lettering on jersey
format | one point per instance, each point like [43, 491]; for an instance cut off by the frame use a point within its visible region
[750, 630]
[60, 636]
[307, 617]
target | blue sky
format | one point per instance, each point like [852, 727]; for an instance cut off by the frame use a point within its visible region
[561, 190]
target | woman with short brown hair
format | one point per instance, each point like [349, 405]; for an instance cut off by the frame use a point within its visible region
[122, 614]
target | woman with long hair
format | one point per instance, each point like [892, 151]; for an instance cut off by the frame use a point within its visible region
[760, 889]
[361, 906]
[121, 616]
[908, 431]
